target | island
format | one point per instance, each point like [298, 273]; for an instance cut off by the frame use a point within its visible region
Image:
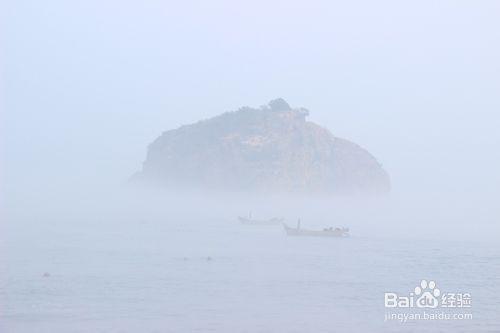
[272, 148]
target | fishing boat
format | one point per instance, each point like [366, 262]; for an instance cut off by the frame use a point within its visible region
[326, 232]
[249, 221]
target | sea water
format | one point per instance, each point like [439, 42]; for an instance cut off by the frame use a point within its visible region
[208, 273]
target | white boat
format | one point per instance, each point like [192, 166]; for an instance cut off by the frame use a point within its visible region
[249, 221]
[327, 232]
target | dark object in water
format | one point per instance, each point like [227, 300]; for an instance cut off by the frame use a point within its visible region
[273, 221]
[46, 274]
[327, 232]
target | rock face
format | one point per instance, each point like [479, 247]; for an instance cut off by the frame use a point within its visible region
[272, 149]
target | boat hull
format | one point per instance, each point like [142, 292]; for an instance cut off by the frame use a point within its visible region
[247, 221]
[338, 233]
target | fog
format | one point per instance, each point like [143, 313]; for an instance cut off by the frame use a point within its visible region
[86, 87]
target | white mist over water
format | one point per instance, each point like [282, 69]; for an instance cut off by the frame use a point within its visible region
[86, 86]
[152, 261]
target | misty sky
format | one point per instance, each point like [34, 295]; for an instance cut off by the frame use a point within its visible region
[88, 85]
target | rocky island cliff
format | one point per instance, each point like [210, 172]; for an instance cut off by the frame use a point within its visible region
[272, 149]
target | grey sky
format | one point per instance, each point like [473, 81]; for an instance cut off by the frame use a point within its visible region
[88, 85]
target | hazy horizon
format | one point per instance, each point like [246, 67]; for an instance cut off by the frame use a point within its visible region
[87, 86]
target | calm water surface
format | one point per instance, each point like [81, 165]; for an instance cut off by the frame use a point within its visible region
[189, 275]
